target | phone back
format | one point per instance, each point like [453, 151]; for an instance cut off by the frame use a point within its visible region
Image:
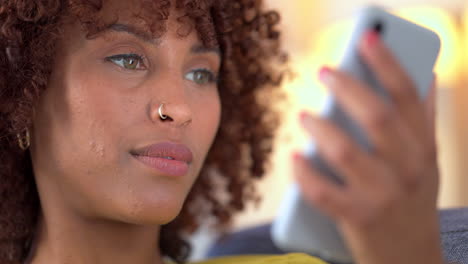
[301, 227]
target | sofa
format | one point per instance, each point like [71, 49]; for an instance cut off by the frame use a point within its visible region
[257, 240]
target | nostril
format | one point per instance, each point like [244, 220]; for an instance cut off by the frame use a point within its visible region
[166, 118]
[160, 112]
[176, 113]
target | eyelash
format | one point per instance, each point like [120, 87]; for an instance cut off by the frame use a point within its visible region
[139, 58]
[213, 78]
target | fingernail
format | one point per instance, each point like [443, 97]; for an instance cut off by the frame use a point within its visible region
[307, 120]
[325, 75]
[303, 116]
[297, 156]
[371, 38]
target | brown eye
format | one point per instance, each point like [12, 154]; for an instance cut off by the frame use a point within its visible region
[201, 76]
[130, 64]
[128, 61]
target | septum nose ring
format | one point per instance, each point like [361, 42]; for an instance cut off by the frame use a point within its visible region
[161, 115]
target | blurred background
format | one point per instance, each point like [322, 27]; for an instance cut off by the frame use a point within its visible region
[315, 34]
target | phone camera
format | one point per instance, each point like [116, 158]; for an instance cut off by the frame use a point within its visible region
[378, 27]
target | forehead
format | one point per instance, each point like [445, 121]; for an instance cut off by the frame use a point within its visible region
[151, 17]
[135, 9]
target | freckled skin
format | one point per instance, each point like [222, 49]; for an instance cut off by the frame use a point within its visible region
[96, 198]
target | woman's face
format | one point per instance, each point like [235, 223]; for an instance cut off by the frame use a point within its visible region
[101, 107]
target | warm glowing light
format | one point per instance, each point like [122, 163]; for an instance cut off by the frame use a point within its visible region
[306, 92]
[450, 61]
[465, 42]
[330, 43]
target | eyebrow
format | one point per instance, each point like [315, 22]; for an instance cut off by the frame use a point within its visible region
[132, 30]
[198, 49]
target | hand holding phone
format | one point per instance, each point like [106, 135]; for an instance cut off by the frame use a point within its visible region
[370, 194]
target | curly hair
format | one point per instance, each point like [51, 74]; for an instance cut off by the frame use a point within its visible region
[250, 49]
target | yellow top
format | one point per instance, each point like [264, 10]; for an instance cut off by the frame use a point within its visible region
[291, 258]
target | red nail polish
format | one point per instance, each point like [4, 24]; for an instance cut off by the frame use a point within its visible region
[324, 73]
[303, 115]
[372, 37]
[297, 156]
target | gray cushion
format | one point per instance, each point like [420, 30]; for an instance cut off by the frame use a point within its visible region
[454, 232]
[256, 240]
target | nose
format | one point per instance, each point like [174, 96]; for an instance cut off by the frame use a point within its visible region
[175, 113]
[171, 106]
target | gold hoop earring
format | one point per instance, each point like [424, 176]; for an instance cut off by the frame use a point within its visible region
[25, 142]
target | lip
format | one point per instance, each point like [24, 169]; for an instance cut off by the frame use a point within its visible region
[169, 158]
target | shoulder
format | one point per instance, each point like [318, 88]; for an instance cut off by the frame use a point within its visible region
[292, 258]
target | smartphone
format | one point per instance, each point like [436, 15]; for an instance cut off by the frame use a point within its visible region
[299, 226]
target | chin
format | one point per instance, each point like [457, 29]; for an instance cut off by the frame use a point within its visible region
[156, 211]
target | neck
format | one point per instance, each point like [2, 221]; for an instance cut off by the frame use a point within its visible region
[73, 240]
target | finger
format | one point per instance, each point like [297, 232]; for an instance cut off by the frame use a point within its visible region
[356, 166]
[317, 190]
[396, 81]
[342, 203]
[431, 103]
[380, 120]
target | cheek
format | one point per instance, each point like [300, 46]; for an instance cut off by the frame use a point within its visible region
[73, 117]
[208, 117]
[205, 126]
[80, 122]
[92, 120]
[100, 114]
